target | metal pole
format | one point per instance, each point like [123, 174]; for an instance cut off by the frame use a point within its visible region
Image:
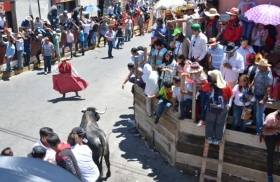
[182, 88]
[136, 69]
[39, 8]
[145, 54]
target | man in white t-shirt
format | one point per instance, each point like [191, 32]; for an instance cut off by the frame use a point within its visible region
[50, 153]
[86, 26]
[140, 54]
[186, 104]
[128, 28]
[111, 10]
[83, 155]
[176, 95]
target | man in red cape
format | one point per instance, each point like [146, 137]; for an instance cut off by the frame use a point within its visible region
[68, 80]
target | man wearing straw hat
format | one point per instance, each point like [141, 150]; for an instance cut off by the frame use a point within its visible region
[19, 46]
[215, 54]
[198, 47]
[232, 64]
[212, 26]
[110, 35]
[262, 84]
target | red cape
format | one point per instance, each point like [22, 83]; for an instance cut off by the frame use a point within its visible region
[64, 83]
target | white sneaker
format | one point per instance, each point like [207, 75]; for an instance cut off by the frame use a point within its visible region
[46, 73]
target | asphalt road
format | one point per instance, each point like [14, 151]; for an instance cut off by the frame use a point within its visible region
[28, 103]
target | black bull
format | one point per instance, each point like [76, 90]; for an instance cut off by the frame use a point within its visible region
[96, 137]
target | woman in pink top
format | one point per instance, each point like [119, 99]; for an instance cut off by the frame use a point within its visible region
[182, 65]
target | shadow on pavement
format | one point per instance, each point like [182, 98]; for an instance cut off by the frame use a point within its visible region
[60, 99]
[18, 135]
[138, 151]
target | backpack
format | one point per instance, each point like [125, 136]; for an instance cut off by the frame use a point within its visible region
[216, 100]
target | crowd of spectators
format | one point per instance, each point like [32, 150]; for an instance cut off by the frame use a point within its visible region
[228, 64]
[115, 29]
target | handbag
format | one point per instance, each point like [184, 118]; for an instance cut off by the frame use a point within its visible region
[246, 113]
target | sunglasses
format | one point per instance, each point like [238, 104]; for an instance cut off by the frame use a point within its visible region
[193, 43]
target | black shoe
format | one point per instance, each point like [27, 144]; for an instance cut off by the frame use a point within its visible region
[156, 120]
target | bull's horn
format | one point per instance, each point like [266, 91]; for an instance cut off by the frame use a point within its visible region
[99, 112]
[84, 109]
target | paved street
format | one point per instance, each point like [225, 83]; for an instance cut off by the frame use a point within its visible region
[28, 103]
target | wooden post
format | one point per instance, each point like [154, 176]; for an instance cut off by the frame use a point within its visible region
[136, 68]
[145, 54]
[194, 103]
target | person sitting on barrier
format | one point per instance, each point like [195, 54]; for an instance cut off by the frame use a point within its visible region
[186, 103]
[165, 102]
[176, 95]
[131, 79]
[150, 78]
[38, 27]
[217, 109]
[271, 133]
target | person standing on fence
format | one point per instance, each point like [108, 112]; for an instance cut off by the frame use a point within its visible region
[56, 41]
[48, 53]
[69, 43]
[10, 52]
[102, 31]
[271, 133]
[128, 29]
[81, 41]
[19, 45]
[110, 35]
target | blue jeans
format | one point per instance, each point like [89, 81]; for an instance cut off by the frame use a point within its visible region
[27, 51]
[47, 63]
[237, 112]
[185, 106]
[139, 83]
[67, 45]
[93, 38]
[259, 113]
[203, 103]
[163, 106]
[82, 46]
[8, 65]
[40, 31]
[247, 29]
[110, 48]
[127, 34]
[120, 41]
[86, 40]
[58, 53]
[19, 56]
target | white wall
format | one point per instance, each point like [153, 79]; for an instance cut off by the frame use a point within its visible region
[45, 5]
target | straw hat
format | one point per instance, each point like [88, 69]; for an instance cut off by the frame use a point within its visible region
[263, 62]
[190, 6]
[212, 12]
[194, 68]
[233, 11]
[28, 18]
[168, 12]
[179, 13]
[221, 83]
[213, 41]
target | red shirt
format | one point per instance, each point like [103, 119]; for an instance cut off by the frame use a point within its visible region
[68, 68]
[226, 92]
[233, 31]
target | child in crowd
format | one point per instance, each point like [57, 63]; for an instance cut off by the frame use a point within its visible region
[169, 67]
[182, 65]
[186, 103]
[242, 100]
[275, 92]
[200, 78]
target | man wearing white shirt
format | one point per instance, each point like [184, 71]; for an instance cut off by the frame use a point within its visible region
[198, 47]
[83, 155]
[232, 65]
[244, 49]
[86, 32]
[69, 42]
[111, 10]
[50, 153]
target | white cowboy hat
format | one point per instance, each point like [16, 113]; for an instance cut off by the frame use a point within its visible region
[28, 18]
[233, 11]
[230, 47]
[263, 62]
[221, 83]
[212, 12]
[194, 68]
[213, 41]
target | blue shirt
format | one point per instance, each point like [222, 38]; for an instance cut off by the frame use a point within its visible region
[162, 30]
[217, 56]
[27, 43]
[119, 9]
[81, 37]
[261, 81]
[10, 51]
[159, 55]
[25, 23]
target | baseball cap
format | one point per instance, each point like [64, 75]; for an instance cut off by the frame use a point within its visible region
[177, 31]
[38, 152]
[80, 131]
